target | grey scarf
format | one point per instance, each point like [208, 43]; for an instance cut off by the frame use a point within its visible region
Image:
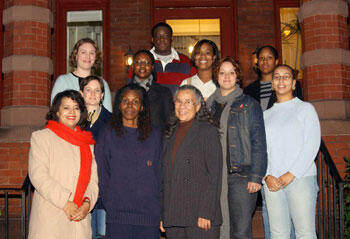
[146, 84]
[227, 100]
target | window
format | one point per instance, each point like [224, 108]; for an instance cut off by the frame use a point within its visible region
[187, 32]
[78, 19]
[82, 24]
[290, 38]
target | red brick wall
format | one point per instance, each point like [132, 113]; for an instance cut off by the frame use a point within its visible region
[256, 27]
[339, 147]
[13, 170]
[27, 38]
[329, 81]
[26, 88]
[13, 164]
[130, 26]
[325, 31]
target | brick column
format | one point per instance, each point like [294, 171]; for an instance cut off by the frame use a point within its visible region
[27, 67]
[26, 64]
[326, 62]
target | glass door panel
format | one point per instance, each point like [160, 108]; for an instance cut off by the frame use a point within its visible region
[82, 24]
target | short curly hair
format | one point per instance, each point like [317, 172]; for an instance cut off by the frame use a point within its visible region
[235, 65]
[74, 53]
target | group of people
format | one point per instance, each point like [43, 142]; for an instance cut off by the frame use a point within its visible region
[184, 150]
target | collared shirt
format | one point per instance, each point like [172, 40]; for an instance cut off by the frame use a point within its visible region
[207, 88]
[165, 59]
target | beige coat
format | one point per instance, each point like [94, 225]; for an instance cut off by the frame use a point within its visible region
[53, 170]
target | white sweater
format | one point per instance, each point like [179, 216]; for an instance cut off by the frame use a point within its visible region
[293, 138]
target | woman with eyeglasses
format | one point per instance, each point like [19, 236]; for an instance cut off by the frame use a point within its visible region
[192, 169]
[160, 97]
[293, 138]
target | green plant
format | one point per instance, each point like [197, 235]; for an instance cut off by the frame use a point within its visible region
[347, 199]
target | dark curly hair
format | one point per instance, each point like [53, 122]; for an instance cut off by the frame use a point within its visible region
[197, 48]
[75, 96]
[143, 120]
[74, 53]
[202, 115]
[235, 65]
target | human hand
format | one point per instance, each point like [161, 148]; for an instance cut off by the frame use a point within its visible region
[82, 211]
[69, 209]
[253, 187]
[204, 224]
[273, 183]
[286, 179]
[161, 226]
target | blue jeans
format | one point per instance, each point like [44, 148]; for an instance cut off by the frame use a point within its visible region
[296, 203]
[266, 219]
[241, 206]
[98, 223]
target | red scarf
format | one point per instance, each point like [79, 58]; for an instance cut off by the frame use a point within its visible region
[82, 139]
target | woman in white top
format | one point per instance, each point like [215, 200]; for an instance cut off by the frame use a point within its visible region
[204, 57]
[85, 57]
[293, 138]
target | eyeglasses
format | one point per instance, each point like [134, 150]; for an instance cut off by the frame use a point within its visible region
[262, 58]
[145, 63]
[284, 77]
[186, 103]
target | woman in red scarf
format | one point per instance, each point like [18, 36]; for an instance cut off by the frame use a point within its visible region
[63, 171]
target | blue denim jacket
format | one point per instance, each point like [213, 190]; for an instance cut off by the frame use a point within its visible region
[246, 140]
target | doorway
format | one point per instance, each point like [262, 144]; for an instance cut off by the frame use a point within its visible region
[196, 13]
